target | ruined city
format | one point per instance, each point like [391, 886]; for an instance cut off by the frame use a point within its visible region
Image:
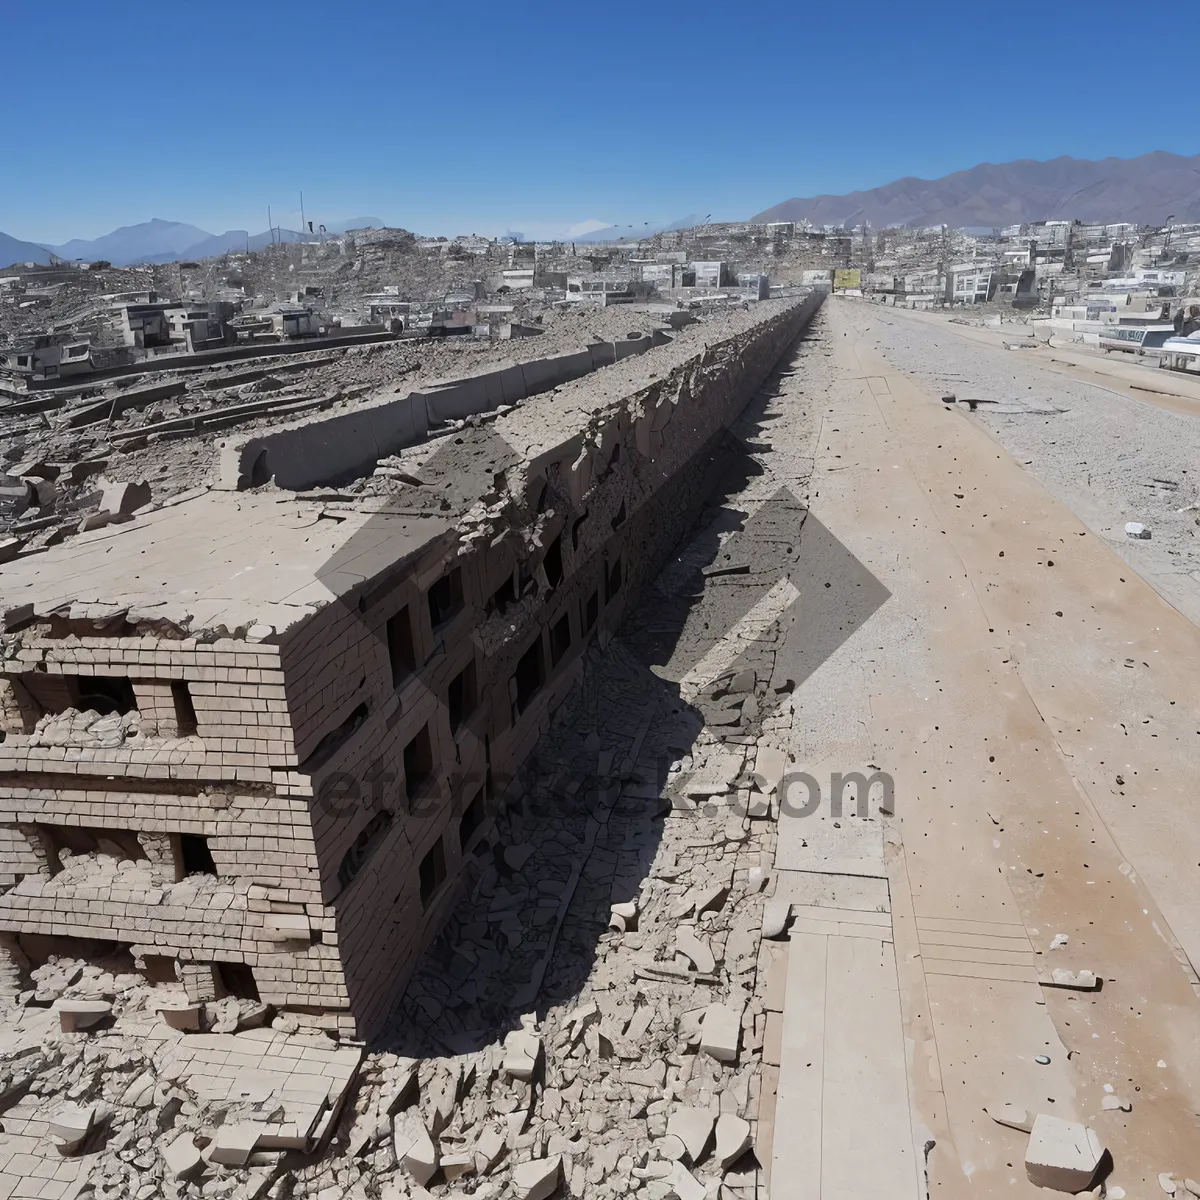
[683, 710]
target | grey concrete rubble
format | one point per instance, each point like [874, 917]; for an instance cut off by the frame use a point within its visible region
[581, 1010]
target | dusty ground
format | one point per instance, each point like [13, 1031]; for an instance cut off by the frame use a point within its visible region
[1035, 702]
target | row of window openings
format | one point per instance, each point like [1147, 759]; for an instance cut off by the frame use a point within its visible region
[432, 870]
[104, 694]
[530, 673]
[190, 852]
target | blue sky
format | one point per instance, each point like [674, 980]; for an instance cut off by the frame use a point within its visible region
[531, 116]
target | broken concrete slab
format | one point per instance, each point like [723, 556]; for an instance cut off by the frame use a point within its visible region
[1065, 1155]
[733, 1139]
[234, 1143]
[537, 1179]
[720, 1032]
[181, 1157]
[76, 1016]
[694, 949]
[693, 1127]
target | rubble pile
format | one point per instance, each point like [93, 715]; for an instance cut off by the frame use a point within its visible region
[591, 1019]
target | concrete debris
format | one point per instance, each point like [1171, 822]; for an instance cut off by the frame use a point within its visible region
[1065, 1155]
[1136, 530]
[78, 1015]
[733, 1139]
[1082, 981]
[234, 1144]
[70, 1125]
[693, 1127]
[521, 1049]
[720, 1032]
[684, 1185]
[623, 916]
[694, 949]
[537, 1179]
[1115, 1104]
[182, 1157]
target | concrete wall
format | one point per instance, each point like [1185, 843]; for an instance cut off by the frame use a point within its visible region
[334, 449]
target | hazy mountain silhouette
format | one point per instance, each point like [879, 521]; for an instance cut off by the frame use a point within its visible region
[1147, 189]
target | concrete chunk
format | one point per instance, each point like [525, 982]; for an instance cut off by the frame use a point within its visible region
[1065, 1155]
[75, 1016]
[769, 767]
[521, 1049]
[693, 1127]
[719, 1032]
[733, 1139]
[181, 1157]
[234, 1144]
[695, 950]
[537, 1179]
[685, 1185]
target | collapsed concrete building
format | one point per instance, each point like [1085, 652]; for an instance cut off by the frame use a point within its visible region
[254, 738]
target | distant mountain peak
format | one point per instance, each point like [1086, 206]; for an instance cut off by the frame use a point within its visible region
[1146, 189]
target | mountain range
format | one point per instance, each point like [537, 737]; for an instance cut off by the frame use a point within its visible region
[158, 241]
[1147, 189]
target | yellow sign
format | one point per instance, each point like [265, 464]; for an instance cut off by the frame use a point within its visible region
[845, 279]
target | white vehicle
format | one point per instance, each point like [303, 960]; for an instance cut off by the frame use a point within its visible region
[1135, 339]
[1180, 354]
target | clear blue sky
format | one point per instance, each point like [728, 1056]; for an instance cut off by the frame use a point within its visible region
[452, 118]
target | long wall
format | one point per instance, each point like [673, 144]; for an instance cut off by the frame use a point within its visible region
[334, 449]
[306, 808]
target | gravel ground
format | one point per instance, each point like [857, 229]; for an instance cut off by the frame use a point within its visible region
[1110, 457]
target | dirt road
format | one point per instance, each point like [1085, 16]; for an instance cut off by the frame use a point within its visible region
[1036, 703]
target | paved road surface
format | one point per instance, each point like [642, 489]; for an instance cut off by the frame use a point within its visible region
[1037, 704]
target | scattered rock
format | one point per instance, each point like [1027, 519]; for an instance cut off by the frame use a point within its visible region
[1065, 1155]
[1083, 981]
[720, 1031]
[537, 1179]
[693, 1127]
[182, 1156]
[733, 1139]
[74, 1016]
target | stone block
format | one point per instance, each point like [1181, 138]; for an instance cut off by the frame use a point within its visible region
[1064, 1155]
[537, 1179]
[720, 1031]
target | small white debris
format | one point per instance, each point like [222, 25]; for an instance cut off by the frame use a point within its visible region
[1135, 529]
[1115, 1104]
[1083, 981]
[1059, 939]
[1166, 1181]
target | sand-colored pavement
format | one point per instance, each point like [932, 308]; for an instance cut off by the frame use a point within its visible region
[1038, 705]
